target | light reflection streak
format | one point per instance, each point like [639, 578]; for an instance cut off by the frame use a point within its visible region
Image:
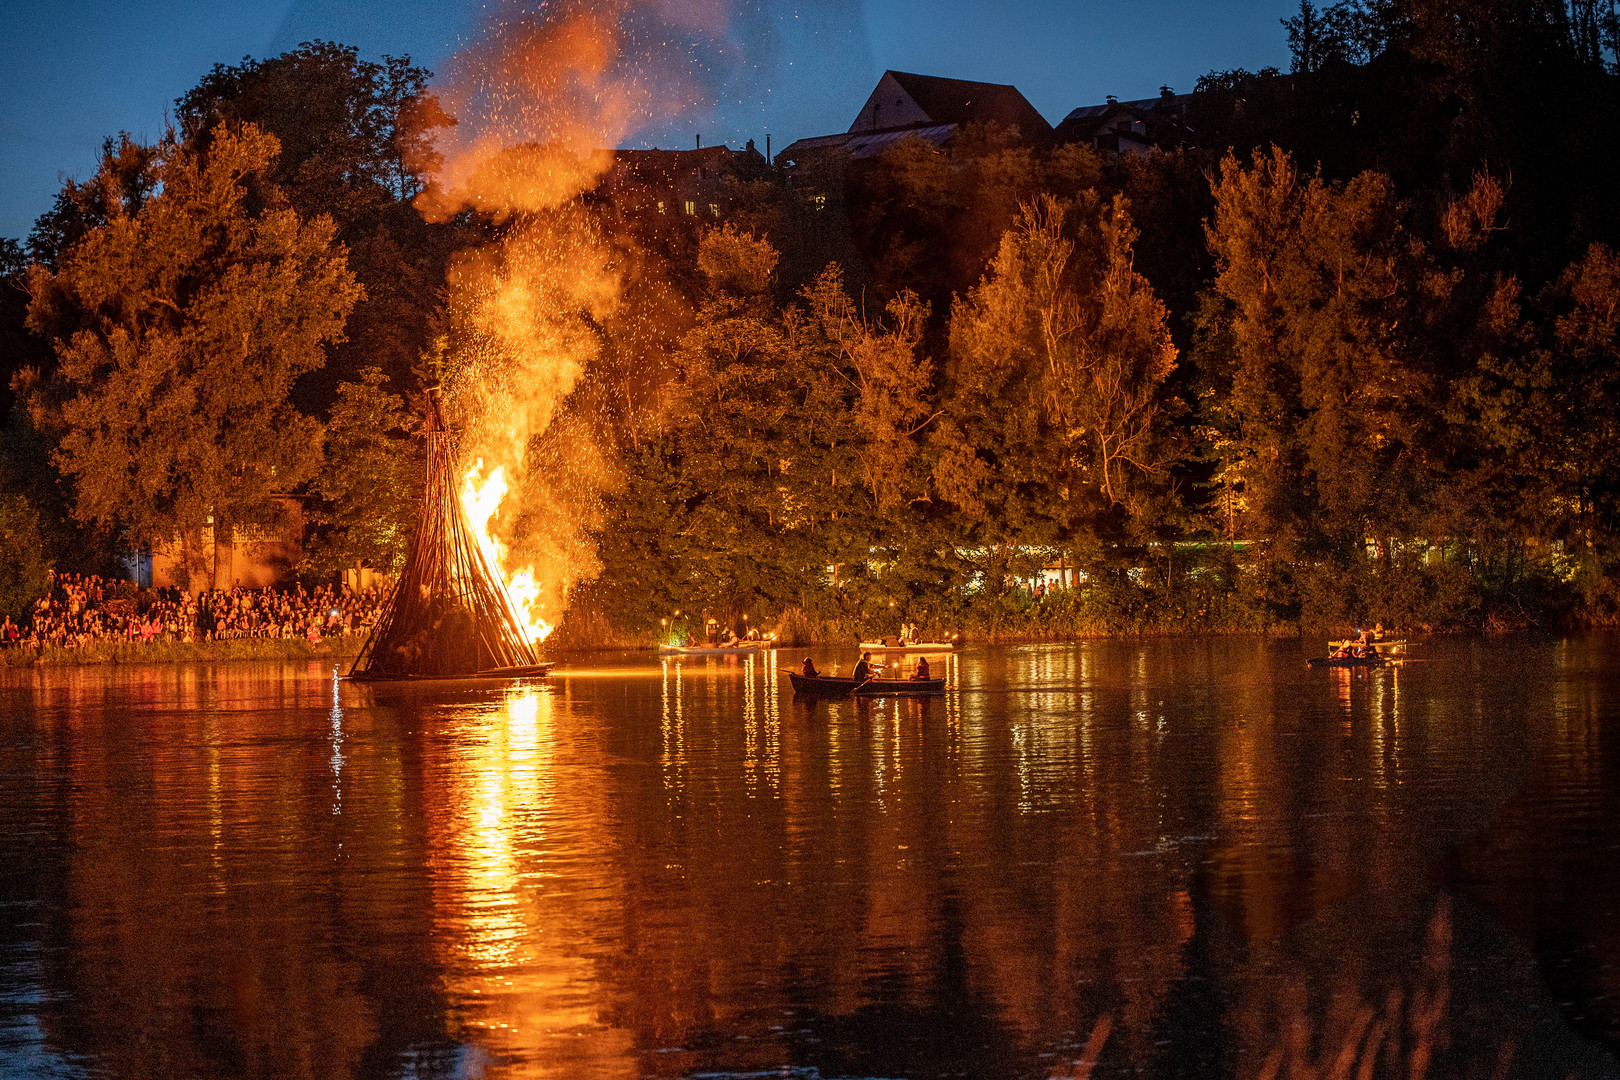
[751, 733]
[773, 726]
[510, 939]
[672, 757]
[336, 717]
[1341, 687]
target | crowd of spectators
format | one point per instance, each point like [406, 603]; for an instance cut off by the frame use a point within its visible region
[86, 609]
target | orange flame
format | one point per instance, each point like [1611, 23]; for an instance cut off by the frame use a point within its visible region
[480, 499]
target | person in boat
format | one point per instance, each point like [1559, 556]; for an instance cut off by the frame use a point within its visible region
[864, 672]
[691, 639]
[921, 674]
[810, 671]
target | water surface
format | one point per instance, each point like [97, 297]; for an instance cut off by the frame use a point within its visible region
[1163, 859]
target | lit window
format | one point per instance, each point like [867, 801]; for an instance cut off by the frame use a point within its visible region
[714, 209]
[691, 208]
[819, 201]
[660, 206]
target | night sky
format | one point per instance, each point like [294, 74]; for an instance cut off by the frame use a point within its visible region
[79, 70]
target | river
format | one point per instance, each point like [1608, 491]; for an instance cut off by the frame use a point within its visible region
[1160, 859]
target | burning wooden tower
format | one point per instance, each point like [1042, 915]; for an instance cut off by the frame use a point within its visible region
[450, 613]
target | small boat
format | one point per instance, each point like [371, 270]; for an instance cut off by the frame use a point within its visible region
[1347, 661]
[1376, 654]
[742, 647]
[912, 646]
[833, 686]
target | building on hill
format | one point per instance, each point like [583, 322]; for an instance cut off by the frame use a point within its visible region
[684, 183]
[907, 106]
[1130, 127]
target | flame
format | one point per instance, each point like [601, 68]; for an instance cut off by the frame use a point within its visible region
[480, 499]
[523, 124]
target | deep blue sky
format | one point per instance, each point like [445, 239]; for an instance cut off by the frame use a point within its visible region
[78, 70]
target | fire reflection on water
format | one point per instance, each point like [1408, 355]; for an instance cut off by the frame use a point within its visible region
[510, 942]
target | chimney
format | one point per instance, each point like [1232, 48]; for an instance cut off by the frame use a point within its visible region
[767, 148]
[700, 141]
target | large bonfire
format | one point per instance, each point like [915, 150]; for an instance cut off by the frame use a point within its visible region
[537, 100]
[452, 611]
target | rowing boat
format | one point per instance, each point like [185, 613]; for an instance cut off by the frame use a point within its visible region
[833, 686]
[1375, 654]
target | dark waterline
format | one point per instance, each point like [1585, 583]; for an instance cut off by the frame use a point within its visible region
[1202, 856]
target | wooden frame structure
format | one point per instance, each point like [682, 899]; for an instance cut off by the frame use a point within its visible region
[450, 614]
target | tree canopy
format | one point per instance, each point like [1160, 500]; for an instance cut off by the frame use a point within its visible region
[179, 327]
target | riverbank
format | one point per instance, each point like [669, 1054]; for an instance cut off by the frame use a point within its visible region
[180, 652]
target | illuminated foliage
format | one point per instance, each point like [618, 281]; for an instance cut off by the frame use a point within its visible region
[355, 139]
[179, 327]
[367, 488]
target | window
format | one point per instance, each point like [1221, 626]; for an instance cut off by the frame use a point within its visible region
[660, 206]
[691, 208]
[714, 209]
[819, 202]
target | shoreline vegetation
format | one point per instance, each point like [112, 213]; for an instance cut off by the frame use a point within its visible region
[800, 633]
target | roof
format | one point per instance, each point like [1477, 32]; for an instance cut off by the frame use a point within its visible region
[866, 144]
[961, 101]
[1163, 120]
[662, 166]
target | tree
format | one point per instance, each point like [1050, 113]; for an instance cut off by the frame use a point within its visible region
[179, 328]
[1063, 306]
[885, 375]
[25, 571]
[1320, 282]
[355, 140]
[345, 124]
[18, 347]
[123, 180]
[369, 483]
[1586, 378]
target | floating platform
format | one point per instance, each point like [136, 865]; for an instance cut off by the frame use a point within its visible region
[914, 646]
[519, 671]
[742, 647]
